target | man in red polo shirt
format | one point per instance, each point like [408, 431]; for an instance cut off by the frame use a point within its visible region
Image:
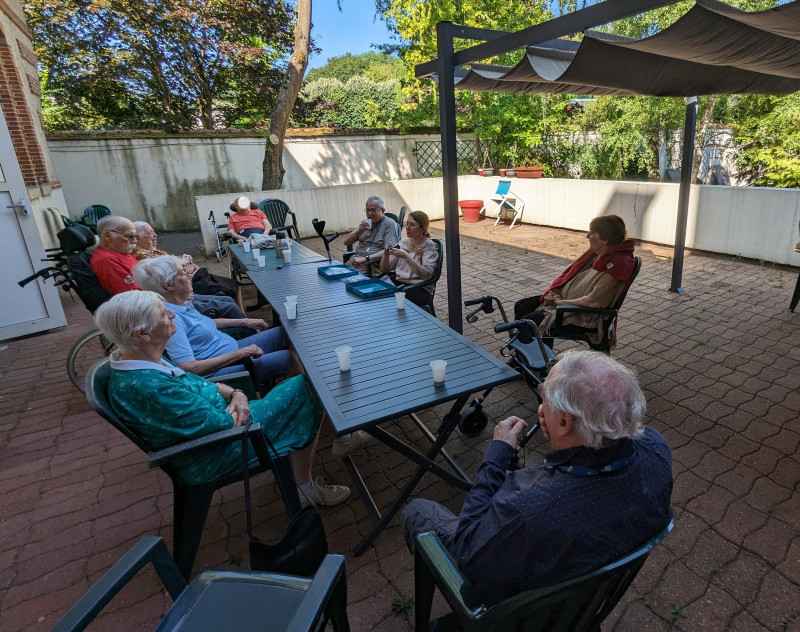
[112, 263]
[112, 260]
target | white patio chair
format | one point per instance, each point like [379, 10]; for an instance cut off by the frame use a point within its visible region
[507, 202]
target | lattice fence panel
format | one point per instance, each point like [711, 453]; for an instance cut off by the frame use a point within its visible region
[429, 157]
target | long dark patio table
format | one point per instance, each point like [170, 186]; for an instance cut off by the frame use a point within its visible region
[390, 377]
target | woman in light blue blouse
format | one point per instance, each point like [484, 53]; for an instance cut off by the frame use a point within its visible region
[166, 405]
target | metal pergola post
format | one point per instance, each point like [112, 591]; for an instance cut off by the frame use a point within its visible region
[447, 117]
[687, 161]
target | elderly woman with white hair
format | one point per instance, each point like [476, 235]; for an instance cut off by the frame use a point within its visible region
[199, 346]
[166, 405]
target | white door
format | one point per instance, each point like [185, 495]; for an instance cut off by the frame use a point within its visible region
[37, 306]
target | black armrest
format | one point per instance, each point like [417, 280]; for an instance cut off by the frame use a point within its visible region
[149, 549]
[187, 448]
[326, 581]
[561, 310]
[243, 380]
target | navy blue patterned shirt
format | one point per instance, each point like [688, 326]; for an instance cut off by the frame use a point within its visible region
[551, 522]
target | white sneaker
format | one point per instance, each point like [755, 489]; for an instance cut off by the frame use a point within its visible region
[358, 439]
[322, 494]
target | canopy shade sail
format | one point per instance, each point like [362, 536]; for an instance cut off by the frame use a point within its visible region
[712, 49]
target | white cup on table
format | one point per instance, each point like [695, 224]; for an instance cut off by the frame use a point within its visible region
[262, 261]
[438, 368]
[400, 299]
[291, 310]
[256, 253]
[246, 246]
[343, 353]
[287, 256]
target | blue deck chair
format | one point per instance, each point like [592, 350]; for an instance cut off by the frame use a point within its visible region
[506, 201]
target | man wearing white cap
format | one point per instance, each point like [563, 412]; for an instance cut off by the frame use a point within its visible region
[247, 221]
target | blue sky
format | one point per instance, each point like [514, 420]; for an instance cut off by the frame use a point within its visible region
[350, 31]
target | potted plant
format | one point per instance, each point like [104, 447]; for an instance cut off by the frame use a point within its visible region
[471, 210]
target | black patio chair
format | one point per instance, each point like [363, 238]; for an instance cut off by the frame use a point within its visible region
[223, 600]
[398, 218]
[276, 211]
[607, 316]
[576, 605]
[191, 502]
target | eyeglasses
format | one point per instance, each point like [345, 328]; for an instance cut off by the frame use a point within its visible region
[373, 210]
[133, 237]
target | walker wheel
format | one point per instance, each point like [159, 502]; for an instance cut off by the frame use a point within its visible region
[473, 421]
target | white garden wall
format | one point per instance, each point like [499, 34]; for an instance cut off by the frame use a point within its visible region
[756, 223]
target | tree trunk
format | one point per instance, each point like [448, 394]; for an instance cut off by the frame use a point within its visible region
[700, 138]
[273, 154]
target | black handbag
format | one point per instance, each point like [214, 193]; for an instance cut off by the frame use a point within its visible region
[301, 549]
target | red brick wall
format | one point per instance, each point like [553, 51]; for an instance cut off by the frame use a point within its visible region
[19, 119]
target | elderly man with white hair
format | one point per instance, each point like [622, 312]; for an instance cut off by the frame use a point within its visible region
[602, 490]
[372, 235]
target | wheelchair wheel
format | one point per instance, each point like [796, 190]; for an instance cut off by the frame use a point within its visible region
[90, 348]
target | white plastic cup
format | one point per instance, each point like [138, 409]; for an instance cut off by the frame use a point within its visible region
[368, 221]
[262, 261]
[287, 256]
[343, 353]
[256, 253]
[291, 310]
[438, 367]
[292, 298]
[246, 246]
[400, 299]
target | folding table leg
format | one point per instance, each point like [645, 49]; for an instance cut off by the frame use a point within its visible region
[445, 430]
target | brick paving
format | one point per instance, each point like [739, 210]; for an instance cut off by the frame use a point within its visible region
[720, 366]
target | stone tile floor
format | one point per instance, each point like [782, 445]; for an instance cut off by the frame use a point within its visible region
[720, 366]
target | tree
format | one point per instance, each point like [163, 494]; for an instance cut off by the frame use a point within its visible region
[372, 65]
[156, 63]
[273, 170]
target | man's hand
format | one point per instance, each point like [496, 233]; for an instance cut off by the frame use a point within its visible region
[509, 430]
[364, 226]
[357, 260]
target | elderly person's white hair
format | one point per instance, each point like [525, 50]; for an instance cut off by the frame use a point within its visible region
[153, 274]
[375, 198]
[124, 314]
[141, 227]
[603, 396]
[107, 222]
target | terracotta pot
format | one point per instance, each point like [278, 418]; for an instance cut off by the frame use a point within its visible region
[502, 173]
[486, 171]
[511, 173]
[529, 172]
[471, 210]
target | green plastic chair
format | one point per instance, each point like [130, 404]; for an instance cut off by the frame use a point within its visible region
[223, 600]
[576, 605]
[398, 218]
[191, 502]
[276, 211]
[92, 214]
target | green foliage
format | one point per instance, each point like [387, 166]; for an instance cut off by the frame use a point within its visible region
[169, 64]
[767, 132]
[402, 606]
[359, 103]
[376, 66]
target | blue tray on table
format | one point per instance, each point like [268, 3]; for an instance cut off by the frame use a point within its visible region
[335, 271]
[371, 288]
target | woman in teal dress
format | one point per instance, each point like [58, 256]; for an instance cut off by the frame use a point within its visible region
[166, 405]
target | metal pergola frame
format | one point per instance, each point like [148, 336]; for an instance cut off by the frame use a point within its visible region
[499, 42]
